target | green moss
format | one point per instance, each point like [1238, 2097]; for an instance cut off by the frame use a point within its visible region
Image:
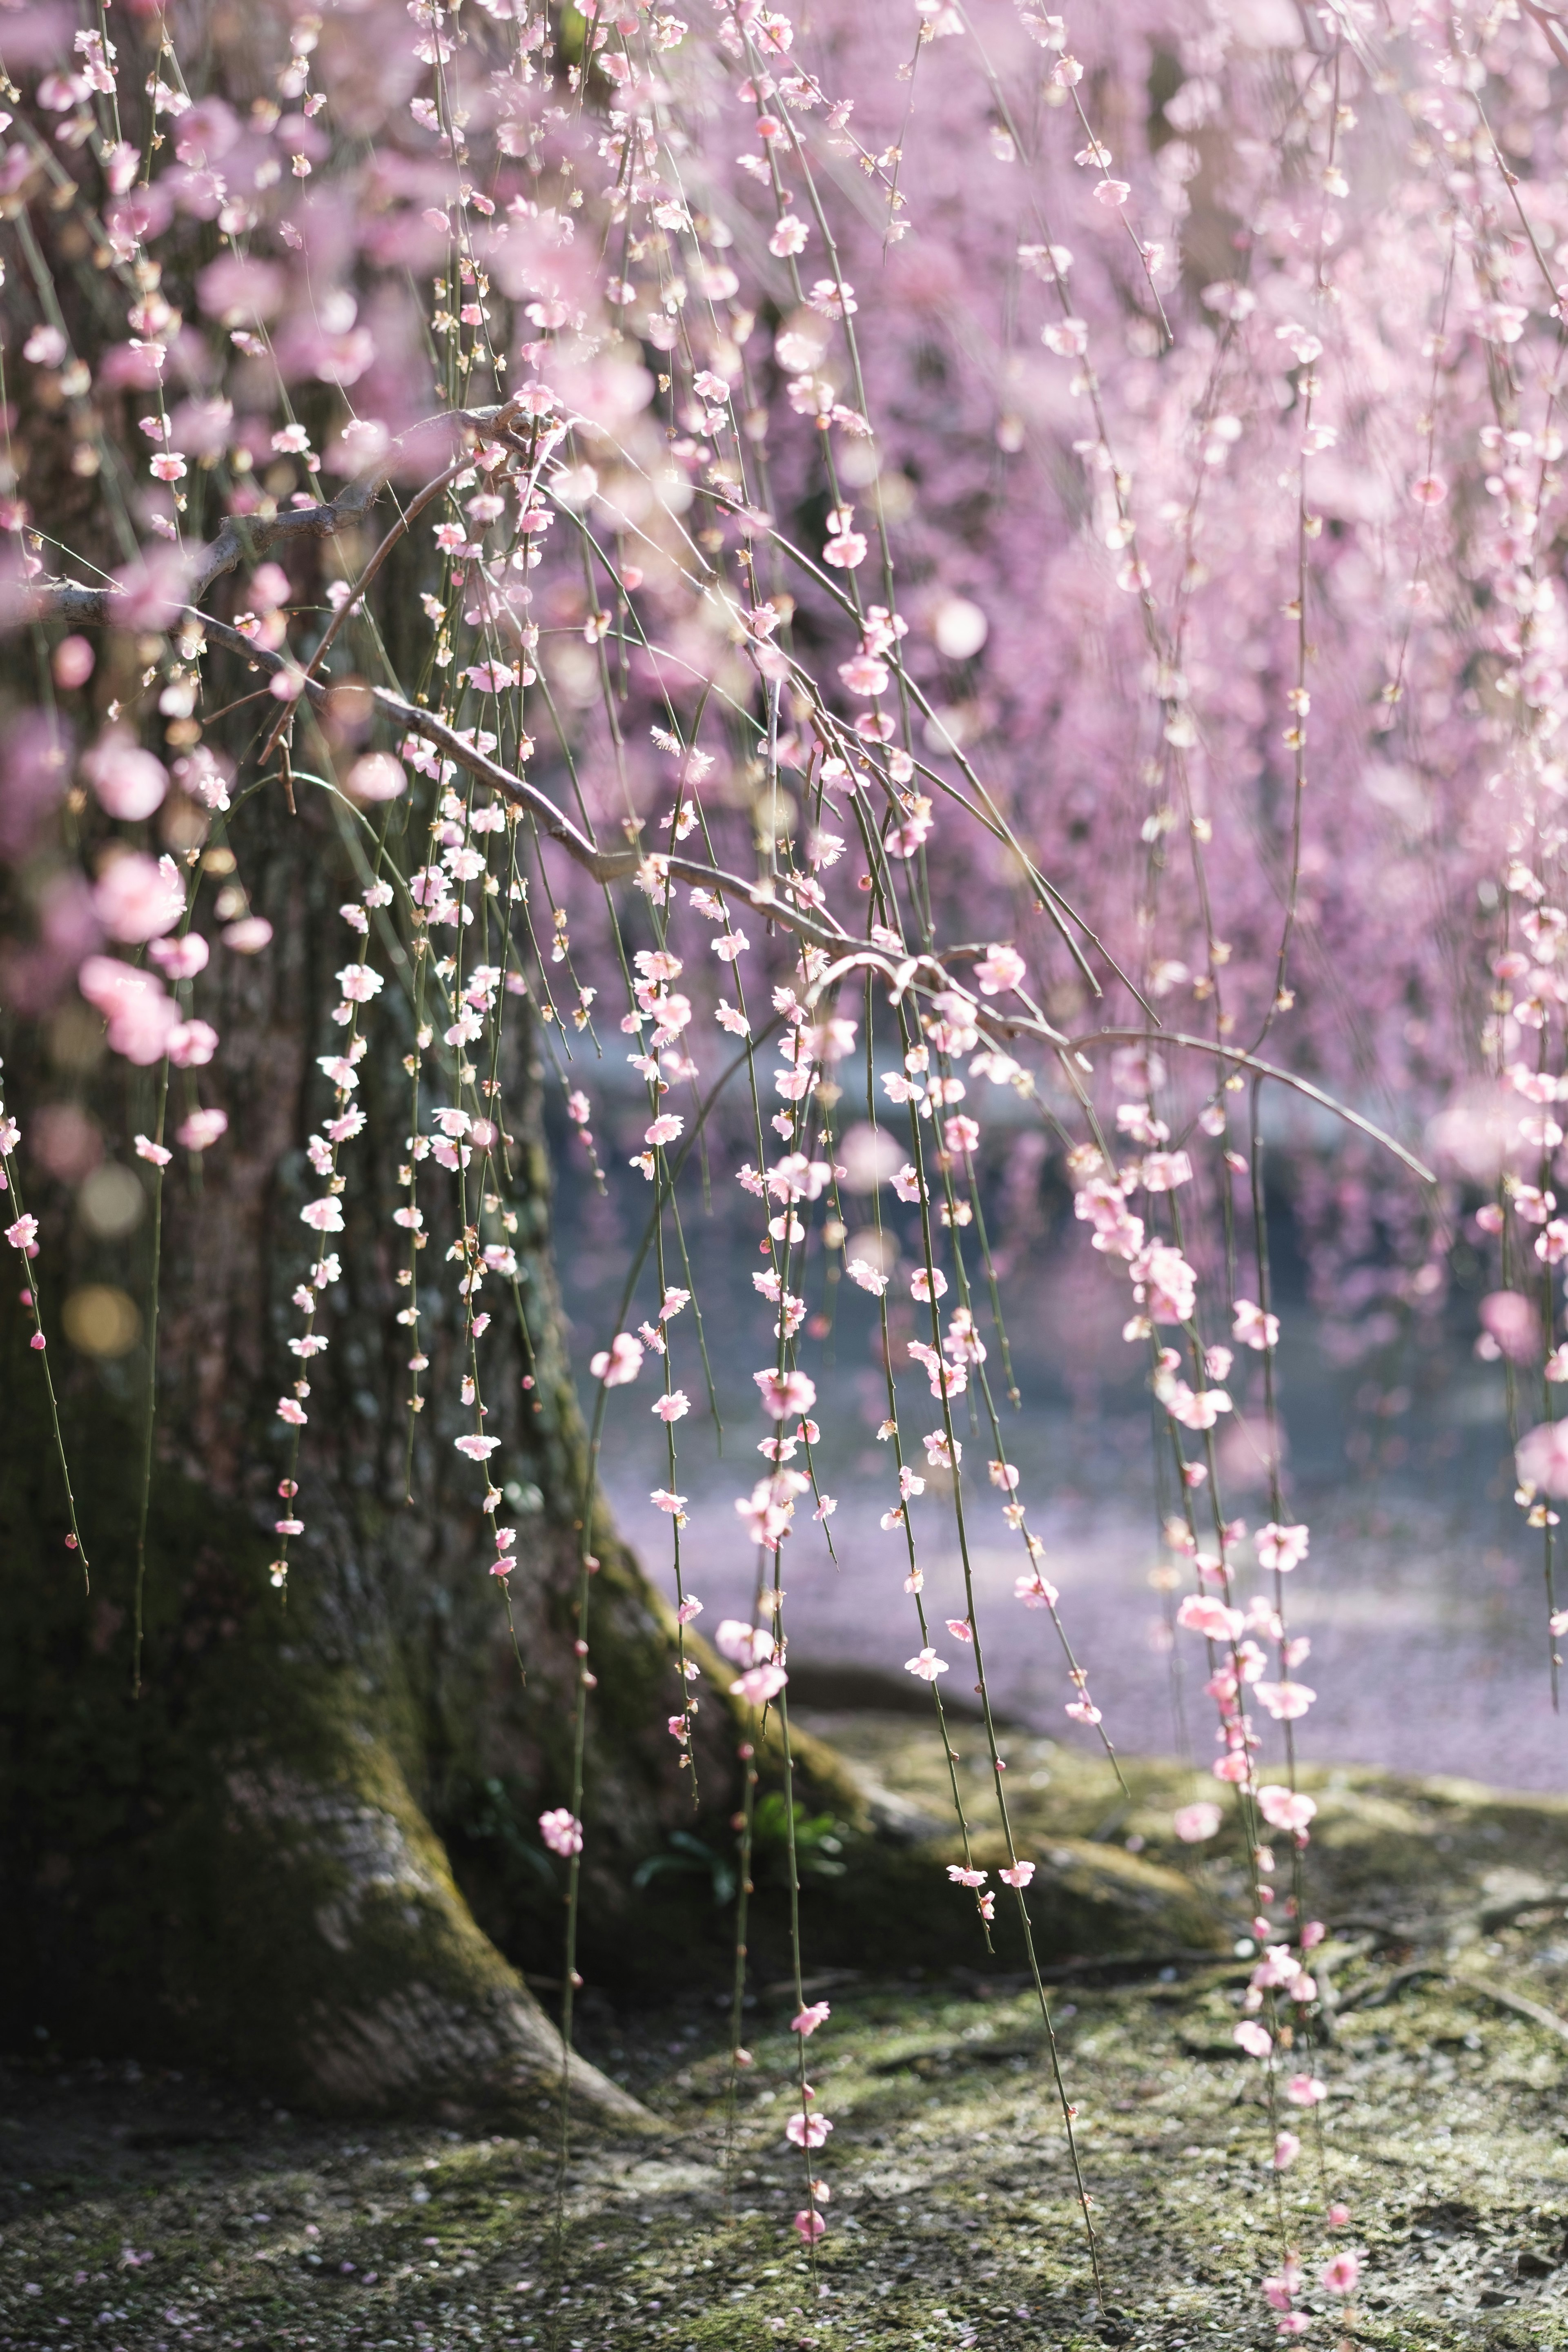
[952, 2220]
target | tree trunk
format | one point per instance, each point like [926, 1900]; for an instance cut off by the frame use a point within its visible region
[246, 1864]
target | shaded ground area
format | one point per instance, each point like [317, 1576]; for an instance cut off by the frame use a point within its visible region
[145, 2211]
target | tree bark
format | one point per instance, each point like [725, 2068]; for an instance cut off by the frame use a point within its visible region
[243, 1864]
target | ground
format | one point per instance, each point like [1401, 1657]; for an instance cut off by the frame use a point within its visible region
[144, 2210]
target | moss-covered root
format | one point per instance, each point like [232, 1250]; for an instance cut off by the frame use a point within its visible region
[372, 1987]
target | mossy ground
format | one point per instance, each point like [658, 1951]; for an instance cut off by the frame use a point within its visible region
[158, 2212]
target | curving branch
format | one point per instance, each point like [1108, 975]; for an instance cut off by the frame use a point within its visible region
[245, 538]
[608, 865]
[1060, 908]
[68, 601]
[1243, 1060]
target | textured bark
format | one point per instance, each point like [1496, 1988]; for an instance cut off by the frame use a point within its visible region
[243, 1863]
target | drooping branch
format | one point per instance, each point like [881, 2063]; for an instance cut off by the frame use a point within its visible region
[245, 539]
[1239, 1057]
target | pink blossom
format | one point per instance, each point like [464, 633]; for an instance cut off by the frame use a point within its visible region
[147, 593]
[237, 290]
[157, 1153]
[205, 131]
[742, 1643]
[202, 1129]
[1193, 1823]
[809, 2225]
[359, 983]
[181, 959]
[1285, 1809]
[23, 1233]
[806, 2020]
[192, 1044]
[249, 936]
[1068, 338]
[323, 1216]
[375, 777]
[73, 663]
[295, 1414]
[619, 1363]
[1286, 1700]
[1541, 1458]
[758, 1685]
[946, 1380]
[1514, 1322]
[999, 970]
[562, 1831]
[928, 1665]
[846, 548]
[789, 235]
[1165, 1171]
[140, 1016]
[1197, 1409]
[1282, 1548]
[140, 897]
[1253, 1328]
[1019, 1875]
[1286, 2149]
[128, 782]
[783, 1393]
[672, 1407]
[1279, 2290]
[1167, 1284]
[475, 1448]
[665, 1128]
[1255, 2039]
[1212, 1619]
[864, 675]
[1341, 2272]
[1305, 2090]
[675, 1505]
[807, 2131]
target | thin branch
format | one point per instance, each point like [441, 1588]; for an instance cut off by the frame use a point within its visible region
[1243, 1061]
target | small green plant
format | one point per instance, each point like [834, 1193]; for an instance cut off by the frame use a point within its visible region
[691, 1857]
[818, 1841]
[494, 1819]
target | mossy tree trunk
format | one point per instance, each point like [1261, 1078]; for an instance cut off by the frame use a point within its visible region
[251, 1860]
